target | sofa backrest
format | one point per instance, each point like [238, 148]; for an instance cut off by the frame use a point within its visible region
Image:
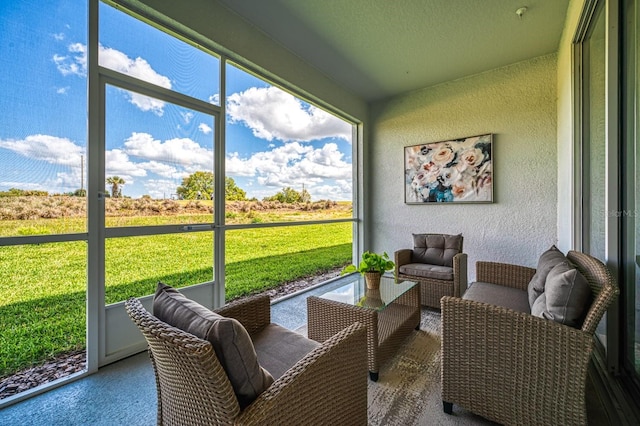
[436, 249]
[604, 288]
[191, 384]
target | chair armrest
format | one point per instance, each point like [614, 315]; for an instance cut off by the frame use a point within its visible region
[327, 386]
[402, 257]
[513, 367]
[254, 313]
[460, 280]
[504, 274]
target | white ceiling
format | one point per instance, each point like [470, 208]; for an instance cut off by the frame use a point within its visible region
[379, 48]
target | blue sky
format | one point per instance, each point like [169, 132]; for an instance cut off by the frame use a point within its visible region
[273, 139]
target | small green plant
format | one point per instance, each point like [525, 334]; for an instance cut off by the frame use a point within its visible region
[371, 262]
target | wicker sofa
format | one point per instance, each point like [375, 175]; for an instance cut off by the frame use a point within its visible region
[514, 367]
[437, 262]
[327, 385]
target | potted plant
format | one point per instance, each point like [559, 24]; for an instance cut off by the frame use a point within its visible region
[372, 266]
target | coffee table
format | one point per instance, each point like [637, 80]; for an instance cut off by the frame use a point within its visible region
[390, 314]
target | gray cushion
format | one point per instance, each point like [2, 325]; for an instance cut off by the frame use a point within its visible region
[425, 270]
[436, 249]
[498, 295]
[279, 348]
[566, 296]
[547, 261]
[229, 339]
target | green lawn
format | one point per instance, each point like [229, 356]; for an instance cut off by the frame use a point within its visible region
[43, 287]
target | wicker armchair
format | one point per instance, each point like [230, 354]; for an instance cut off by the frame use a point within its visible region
[516, 368]
[327, 386]
[438, 263]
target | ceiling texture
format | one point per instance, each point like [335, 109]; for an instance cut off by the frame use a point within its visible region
[380, 48]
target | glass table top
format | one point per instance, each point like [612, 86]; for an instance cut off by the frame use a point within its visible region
[354, 291]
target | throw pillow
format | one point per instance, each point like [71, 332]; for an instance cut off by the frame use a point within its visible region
[230, 340]
[547, 261]
[566, 296]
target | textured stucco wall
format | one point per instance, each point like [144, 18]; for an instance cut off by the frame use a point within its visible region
[518, 105]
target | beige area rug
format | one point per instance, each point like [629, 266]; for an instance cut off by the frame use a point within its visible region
[408, 389]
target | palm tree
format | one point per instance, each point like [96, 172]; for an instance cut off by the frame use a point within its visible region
[115, 182]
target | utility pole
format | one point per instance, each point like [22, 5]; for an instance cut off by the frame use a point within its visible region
[81, 173]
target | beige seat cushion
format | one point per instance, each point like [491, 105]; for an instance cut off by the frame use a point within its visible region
[498, 295]
[229, 339]
[424, 270]
[278, 348]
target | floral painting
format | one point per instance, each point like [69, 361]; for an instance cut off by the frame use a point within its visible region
[452, 171]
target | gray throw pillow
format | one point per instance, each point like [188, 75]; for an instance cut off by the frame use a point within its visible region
[230, 340]
[566, 296]
[547, 261]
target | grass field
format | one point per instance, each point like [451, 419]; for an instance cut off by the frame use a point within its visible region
[43, 287]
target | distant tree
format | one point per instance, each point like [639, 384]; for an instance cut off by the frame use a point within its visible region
[305, 197]
[196, 186]
[116, 182]
[15, 192]
[290, 196]
[199, 186]
[80, 193]
[233, 192]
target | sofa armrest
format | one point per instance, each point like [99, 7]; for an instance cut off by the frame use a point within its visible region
[513, 367]
[402, 257]
[254, 313]
[504, 274]
[327, 386]
[460, 280]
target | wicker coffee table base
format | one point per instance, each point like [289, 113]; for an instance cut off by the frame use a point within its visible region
[386, 329]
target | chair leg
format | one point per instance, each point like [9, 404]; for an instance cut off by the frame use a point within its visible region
[447, 407]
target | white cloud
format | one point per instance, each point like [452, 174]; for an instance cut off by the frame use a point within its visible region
[76, 64]
[236, 166]
[187, 116]
[62, 90]
[178, 151]
[160, 169]
[24, 185]
[215, 99]
[58, 36]
[293, 165]
[342, 190]
[118, 163]
[205, 128]
[67, 181]
[272, 113]
[160, 188]
[138, 67]
[52, 149]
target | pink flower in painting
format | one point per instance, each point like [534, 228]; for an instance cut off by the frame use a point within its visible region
[471, 157]
[443, 155]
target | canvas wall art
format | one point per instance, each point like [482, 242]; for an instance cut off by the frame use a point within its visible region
[454, 171]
